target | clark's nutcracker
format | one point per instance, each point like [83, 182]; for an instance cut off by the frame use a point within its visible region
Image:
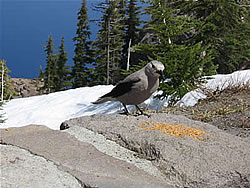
[137, 87]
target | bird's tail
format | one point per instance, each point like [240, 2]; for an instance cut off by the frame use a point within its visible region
[103, 100]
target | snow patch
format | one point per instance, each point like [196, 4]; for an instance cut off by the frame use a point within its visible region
[52, 109]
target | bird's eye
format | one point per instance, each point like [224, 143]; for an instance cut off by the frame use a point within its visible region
[153, 66]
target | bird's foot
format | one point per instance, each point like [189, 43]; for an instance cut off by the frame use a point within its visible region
[135, 114]
[138, 112]
[125, 113]
[144, 114]
[141, 112]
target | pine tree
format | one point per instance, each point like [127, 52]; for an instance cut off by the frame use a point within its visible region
[122, 5]
[132, 23]
[2, 120]
[5, 83]
[132, 29]
[109, 44]
[56, 74]
[50, 70]
[41, 73]
[83, 53]
[62, 72]
[224, 26]
[241, 49]
[185, 63]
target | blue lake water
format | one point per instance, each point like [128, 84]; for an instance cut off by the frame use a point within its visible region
[24, 29]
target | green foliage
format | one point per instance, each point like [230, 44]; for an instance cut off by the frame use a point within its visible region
[224, 27]
[185, 68]
[5, 87]
[62, 73]
[132, 24]
[185, 63]
[1, 114]
[109, 43]
[50, 66]
[192, 39]
[83, 57]
[7, 90]
[56, 72]
[119, 24]
[41, 73]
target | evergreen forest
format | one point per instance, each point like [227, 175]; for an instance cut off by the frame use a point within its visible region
[191, 38]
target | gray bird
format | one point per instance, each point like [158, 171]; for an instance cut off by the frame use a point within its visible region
[137, 87]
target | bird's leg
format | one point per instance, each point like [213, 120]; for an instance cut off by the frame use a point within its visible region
[126, 110]
[142, 113]
[138, 109]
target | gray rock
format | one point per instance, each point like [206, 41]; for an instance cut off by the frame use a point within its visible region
[112, 149]
[79, 159]
[221, 160]
[22, 169]
[26, 87]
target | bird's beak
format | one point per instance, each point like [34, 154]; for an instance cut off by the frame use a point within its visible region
[161, 78]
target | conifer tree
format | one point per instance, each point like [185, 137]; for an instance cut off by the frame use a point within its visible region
[132, 28]
[83, 53]
[2, 120]
[185, 63]
[41, 73]
[224, 26]
[56, 74]
[243, 39]
[132, 23]
[5, 83]
[109, 44]
[50, 69]
[62, 72]
[122, 6]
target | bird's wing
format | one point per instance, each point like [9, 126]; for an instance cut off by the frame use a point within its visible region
[123, 87]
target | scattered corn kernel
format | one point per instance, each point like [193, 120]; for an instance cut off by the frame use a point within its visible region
[175, 130]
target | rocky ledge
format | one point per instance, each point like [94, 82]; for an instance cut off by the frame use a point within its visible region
[119, 151]
[26, 87]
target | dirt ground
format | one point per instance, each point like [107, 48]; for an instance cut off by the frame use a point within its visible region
[229, 110]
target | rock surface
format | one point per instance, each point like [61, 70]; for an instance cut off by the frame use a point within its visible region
[26, 87]
[113, 150]
[20, 168]
[45, 150]
[221, 160]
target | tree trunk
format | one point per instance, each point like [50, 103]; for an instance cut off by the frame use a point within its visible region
[128, 55]
[2, 89]
[108, 57]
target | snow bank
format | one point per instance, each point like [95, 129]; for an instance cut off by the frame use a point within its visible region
[216, 82]
[52, 109]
